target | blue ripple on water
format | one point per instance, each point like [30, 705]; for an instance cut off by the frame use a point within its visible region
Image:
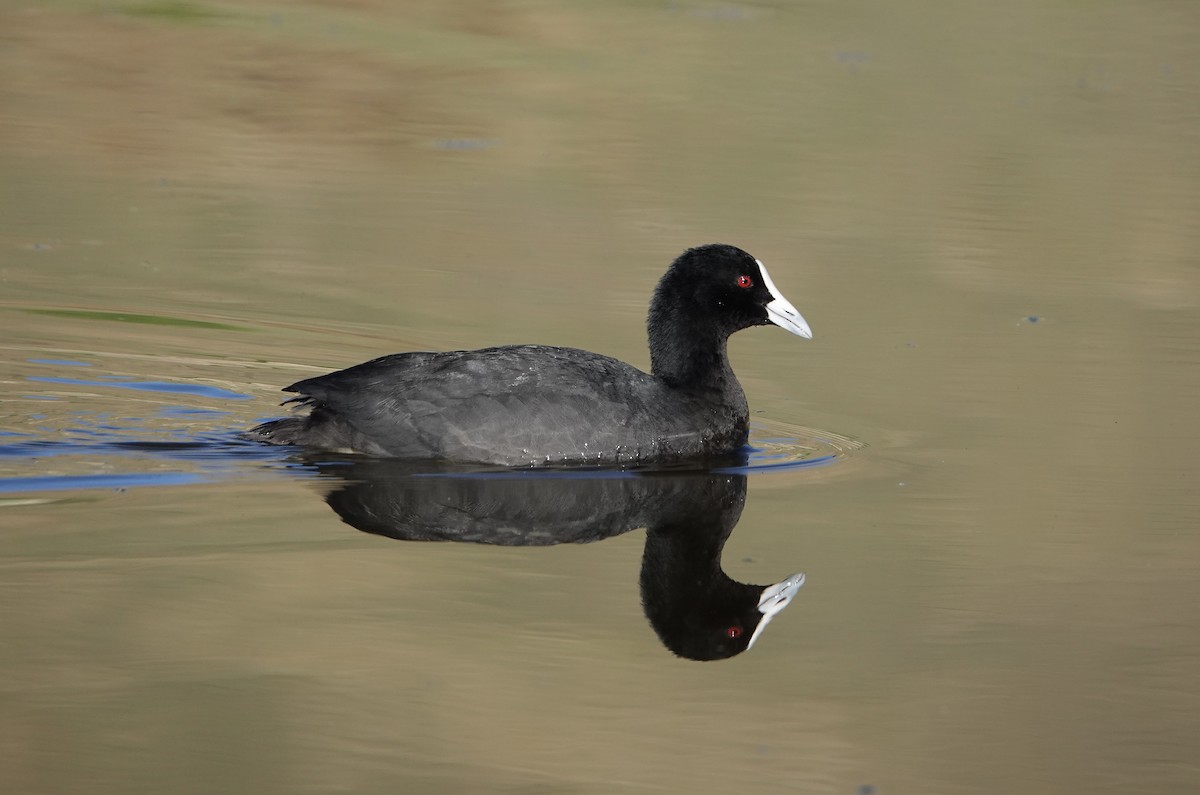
[66, 482]
[199, 390]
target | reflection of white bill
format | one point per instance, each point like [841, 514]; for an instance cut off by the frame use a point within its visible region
[774, 598]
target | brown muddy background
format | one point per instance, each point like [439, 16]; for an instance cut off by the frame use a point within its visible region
[988, 212]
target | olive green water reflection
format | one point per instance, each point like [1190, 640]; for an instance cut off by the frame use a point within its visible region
[987, 213]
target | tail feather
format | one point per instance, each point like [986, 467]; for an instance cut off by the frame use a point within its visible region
[283, 431]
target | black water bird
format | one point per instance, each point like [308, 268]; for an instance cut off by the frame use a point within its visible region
[542, 406]
[697, 611]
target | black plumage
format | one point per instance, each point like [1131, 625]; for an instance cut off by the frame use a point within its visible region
[536, 405]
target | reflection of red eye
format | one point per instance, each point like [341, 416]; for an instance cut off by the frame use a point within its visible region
[734, 632]
[745, 281]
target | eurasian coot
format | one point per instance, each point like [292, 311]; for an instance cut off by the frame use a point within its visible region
[539, 406]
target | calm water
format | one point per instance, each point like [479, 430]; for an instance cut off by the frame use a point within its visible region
[988, 215]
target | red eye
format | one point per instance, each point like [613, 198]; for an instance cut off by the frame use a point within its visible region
[745, 281]
[734, 632]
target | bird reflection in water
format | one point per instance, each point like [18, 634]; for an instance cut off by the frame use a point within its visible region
[697, 610]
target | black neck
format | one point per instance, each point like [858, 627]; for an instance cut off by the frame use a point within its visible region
[687, 351]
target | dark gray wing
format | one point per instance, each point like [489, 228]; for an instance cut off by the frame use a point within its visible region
[514, 405]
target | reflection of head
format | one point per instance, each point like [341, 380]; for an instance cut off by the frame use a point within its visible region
[697, 610]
